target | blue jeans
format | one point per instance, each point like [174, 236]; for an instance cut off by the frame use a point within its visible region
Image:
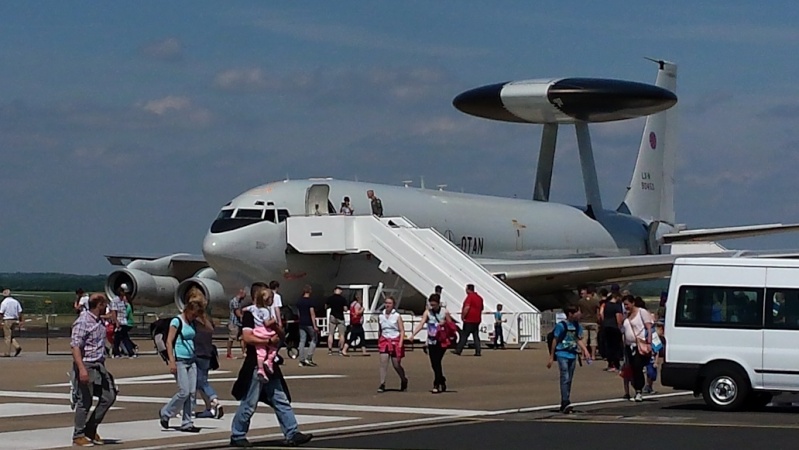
[187, 390]
[307, 334]
[203, 366]
[566, 367]
[276, 398]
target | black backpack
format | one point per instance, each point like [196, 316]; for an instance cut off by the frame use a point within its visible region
[159, 330]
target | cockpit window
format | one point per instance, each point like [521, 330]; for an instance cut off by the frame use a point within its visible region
[226, 221]
[249, 213]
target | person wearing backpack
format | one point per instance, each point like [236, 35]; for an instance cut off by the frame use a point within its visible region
[567, 344]
[182, 362]
[439, 337]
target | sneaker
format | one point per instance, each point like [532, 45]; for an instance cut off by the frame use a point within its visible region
[240, 443]
[163, 420]
[82, 441]
[220, 412]
[638, 397]
[207, 414]
[381, 388]
[303, 363]
[97, 439]
[19, 350]
[647, 390]
[190, 429]
[311, 363]
[299, 439]
[330, 353]
[404, 385]
[627, 397]
[568, 409]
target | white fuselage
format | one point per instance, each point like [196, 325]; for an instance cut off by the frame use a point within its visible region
[243, 250]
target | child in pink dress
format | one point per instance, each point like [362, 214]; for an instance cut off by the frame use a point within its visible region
[264, 317]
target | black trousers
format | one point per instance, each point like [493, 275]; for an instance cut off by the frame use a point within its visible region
[356, 331]
[613, 344]
[472, 329]
[436, 354]
[122, 338]
[499, 338]
[637, 362]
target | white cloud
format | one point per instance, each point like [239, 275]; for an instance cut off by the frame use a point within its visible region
[179, 107]
[169, 49]
[244, 79]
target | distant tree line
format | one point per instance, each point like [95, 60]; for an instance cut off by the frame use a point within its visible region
[51, 282]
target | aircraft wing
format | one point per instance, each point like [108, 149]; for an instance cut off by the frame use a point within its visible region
[183, 263]
[717, 234]
[549, 275]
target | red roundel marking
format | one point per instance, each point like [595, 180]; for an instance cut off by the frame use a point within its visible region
[653, 140]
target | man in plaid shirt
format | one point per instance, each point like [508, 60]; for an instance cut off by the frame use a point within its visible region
[90, 377]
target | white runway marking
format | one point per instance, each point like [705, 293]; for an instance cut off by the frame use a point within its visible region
[169, 379]
[142, 430]
[391, 409]
[32, 409]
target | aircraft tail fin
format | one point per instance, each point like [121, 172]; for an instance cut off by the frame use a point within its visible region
[650, 195]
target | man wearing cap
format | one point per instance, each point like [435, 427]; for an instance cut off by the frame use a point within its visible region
[11, 310]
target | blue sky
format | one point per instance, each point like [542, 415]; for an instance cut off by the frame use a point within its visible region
[125, 126]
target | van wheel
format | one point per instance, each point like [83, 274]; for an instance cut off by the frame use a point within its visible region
[759, 400]
[725, 389]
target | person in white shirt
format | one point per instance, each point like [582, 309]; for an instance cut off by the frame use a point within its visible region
[278, 302]
[81, 301]
[11, 310]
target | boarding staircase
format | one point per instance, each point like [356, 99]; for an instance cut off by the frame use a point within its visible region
[422, 257]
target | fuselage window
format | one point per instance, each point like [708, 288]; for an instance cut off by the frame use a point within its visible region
[269, 215]
[249, 213]
[282, 215]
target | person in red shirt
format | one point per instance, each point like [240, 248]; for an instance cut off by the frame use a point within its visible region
[472, 316]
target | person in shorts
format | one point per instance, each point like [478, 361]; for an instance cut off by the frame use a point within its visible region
[337, 304]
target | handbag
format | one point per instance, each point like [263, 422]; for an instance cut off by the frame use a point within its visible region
[214, 365]
[644, 348]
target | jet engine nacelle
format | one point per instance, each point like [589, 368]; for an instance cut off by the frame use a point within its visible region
[146, 289]
[212, 289]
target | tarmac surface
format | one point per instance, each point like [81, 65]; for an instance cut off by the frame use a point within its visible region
[504, 399]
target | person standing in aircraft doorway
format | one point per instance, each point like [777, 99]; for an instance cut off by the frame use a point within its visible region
[471, 316]
[377, 204]
[346, 207]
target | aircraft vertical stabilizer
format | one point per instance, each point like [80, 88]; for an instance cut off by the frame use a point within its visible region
[650, 195]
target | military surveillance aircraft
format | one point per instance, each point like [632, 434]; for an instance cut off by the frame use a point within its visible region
[524, 253]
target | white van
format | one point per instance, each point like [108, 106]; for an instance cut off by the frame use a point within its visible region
[732, 330]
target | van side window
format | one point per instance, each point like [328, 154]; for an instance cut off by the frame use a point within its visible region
[782, 309]
[719, 307]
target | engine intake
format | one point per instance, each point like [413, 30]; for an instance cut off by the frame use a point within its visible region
[212, 289]
[145, 289]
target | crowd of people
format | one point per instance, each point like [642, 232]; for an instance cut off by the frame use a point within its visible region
[611, 325]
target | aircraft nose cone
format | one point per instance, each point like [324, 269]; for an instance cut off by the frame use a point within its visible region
[485, 101]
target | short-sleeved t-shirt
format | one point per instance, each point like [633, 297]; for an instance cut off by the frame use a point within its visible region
[184, 341]
[567, 334]
[129, 314]
[611, 309]
[336, 303]
[304, 306]
[118, 305]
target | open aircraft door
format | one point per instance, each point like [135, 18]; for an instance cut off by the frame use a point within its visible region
[317, 199]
